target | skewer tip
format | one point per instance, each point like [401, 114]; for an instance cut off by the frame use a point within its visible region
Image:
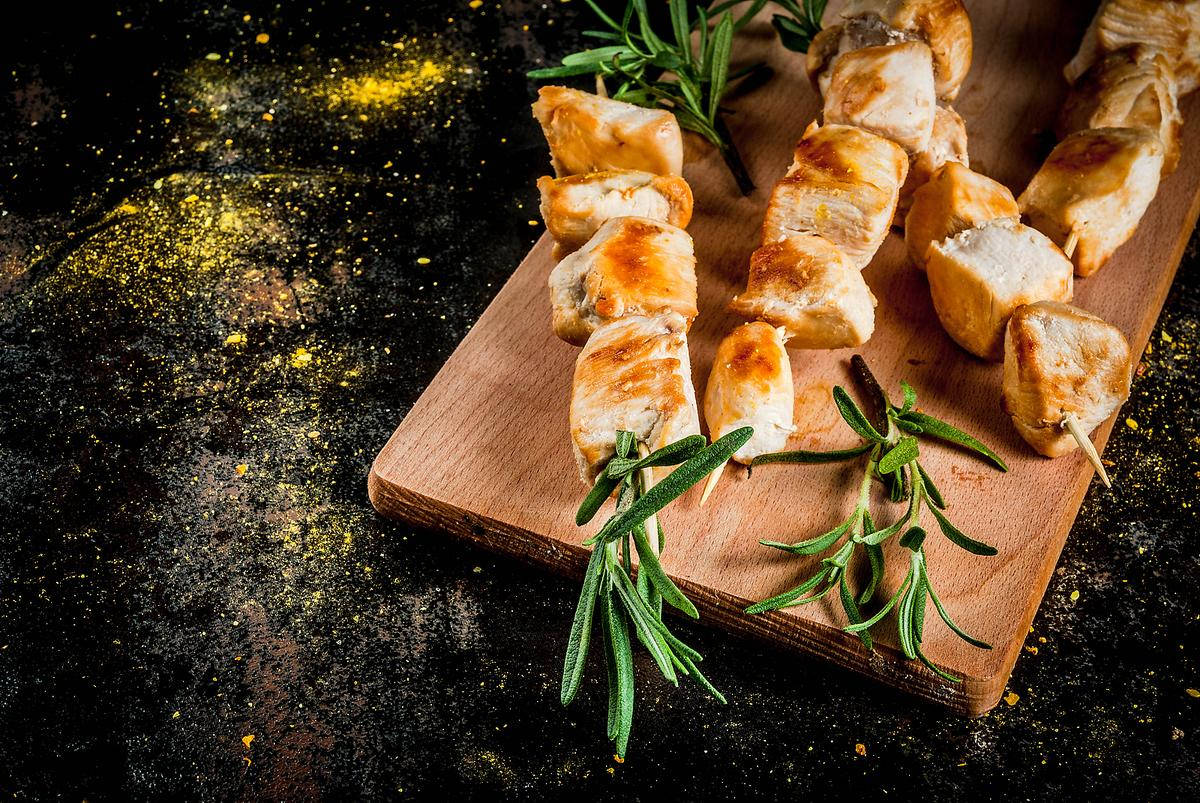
[1088, 448]
[1071, 243]
[713, 479]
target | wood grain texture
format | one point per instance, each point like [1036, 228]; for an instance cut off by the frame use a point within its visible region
[511, 378]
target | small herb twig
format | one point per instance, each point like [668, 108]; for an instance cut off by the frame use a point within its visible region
[802, 22]
[670, 71]
[609, 583]
[891, 438]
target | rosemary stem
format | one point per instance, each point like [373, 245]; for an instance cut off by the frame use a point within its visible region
[733, 159]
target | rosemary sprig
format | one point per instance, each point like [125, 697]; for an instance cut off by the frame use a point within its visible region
[640, 58]
[892, 442]
[609, 582]
[802, 22]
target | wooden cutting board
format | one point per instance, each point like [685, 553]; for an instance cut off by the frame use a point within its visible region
[498, 408]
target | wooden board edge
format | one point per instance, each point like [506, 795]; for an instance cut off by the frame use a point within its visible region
[973, 697]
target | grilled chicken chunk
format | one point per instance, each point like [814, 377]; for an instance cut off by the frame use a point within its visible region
[886, 89]
[1172, 26]
[810, 288]
[943, 25]
[948, 143]
[979, 276]
[1096, 183]
[575, 207]
[631, 266]
[635, 375]
[1130, 88]
[751, 385]
[1059, 359]
[954, 199]
[588, 133]
[842, 185]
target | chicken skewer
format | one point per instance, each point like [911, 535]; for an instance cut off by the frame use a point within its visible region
[1065, 372]
[883, 72]
[824, 221]
[624, 289]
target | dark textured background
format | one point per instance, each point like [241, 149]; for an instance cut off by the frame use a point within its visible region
[227, 269]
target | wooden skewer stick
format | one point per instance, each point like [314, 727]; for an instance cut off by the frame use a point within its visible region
[1071, 243]
[713, 479]
[601, 89]
[647, 484]
[1085, 443]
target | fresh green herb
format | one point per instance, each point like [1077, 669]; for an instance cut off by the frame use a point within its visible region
[670, 71]
[609, 584]
[802, 22]
[892, 442]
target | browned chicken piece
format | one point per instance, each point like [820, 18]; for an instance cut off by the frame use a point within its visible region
[1061, 360]
[574, 207]
[1094, 187]
[1133, 87]
[979, 276]
[751, 385]
[954, 199]
[1172, 26]
[634, 375]
[842, 185]
[809, 287]
[943, 25]
[948, 143]
[632, 266]
[588, 133]
[887, 89]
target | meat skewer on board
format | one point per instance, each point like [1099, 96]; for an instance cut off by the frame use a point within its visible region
[1133, 87]
[625, 290]
[1172, 26]
[893, 67]
[1065, 372]
[1092, 190]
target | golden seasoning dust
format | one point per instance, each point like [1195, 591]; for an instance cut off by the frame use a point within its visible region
[1012, 698]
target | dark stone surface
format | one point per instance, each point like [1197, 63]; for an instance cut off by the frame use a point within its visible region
[210, 321]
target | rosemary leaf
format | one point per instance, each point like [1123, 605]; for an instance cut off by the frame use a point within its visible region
[937, 603]
[800, 456]
[943, 431]
[641, 618]
[626, 443]
[603, 489]
[813, 545]
[910, 397]
[698, 676]
[935, 496]
[853, 416]
[581, 629]
[786, 598]
[882, 612]
[875, 557]
[623, 661]
[913, 538]
[722, 44]
[958, 537]
[648, 564]
[852, 612]
[905, 451]
[610, 663]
